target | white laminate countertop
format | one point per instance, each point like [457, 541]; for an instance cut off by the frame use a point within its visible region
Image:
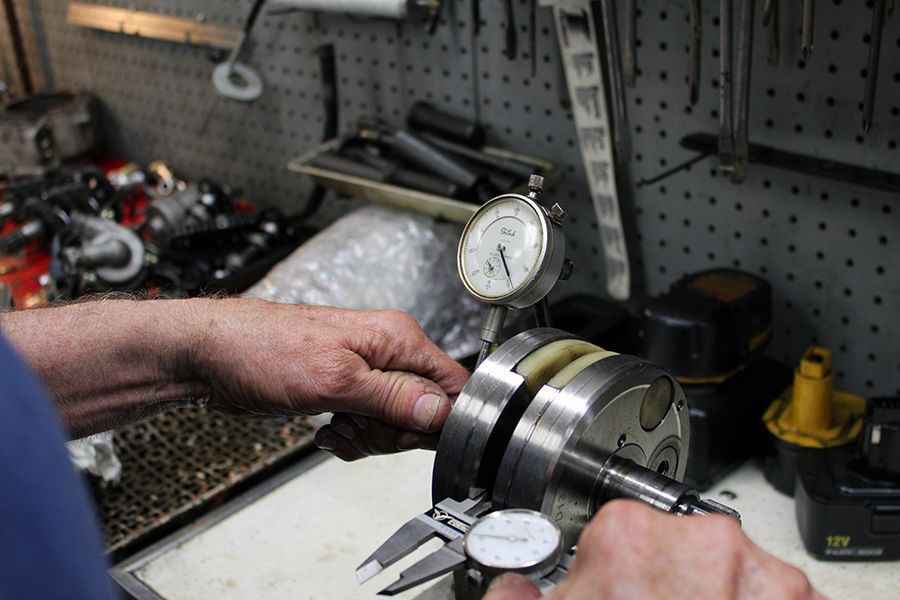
[304, 539]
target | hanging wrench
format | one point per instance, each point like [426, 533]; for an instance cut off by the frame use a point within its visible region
[696, 33]
[770, 20]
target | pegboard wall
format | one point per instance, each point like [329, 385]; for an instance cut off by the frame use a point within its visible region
[831, 249]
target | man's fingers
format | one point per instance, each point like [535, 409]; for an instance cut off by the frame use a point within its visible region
[403, 400]
[327, 439]
[512, 587]
[351, 436]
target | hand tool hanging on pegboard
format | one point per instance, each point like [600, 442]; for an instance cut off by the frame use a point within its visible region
[578, 44]
[770, 20]
[734, 86]
[881, 11]
[235, 80]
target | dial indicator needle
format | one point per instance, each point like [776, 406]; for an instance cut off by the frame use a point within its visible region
[505, 266]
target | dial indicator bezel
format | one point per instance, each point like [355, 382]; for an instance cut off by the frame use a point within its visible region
[541, 278]
[541, 565]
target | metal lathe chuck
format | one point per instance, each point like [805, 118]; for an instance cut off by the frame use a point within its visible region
[553, 424]
[556, 424]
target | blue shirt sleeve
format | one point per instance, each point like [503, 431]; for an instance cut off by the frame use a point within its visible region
[50, 545]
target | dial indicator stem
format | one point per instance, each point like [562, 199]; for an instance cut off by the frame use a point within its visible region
[490, 330]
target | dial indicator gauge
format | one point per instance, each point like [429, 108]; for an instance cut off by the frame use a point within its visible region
[504, 248]
[518, 540]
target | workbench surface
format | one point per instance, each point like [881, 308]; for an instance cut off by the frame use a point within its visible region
[305, 537]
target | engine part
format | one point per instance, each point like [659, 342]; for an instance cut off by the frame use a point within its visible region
[165, 214]
[6, 299]
[809, 416]
[194, 205]
[555, 424]
[7, 211]
[848, 499]
[44, 129]
[272, 229]
[98, 254]
[87, 192]
[165, 181]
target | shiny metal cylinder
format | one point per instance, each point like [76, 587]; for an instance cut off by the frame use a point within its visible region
[623, 478]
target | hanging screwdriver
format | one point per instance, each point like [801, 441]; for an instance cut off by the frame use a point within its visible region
[881, 10]
[726, 133]
[629, 41]
[511, 40]
[770, 20]
[742, 89]
[806, 29]
[694, 41]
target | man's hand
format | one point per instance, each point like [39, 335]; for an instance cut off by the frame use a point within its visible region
[390, 385]
[111, 362]
[633, 551]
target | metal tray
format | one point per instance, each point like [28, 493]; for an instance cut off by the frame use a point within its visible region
[433, 205]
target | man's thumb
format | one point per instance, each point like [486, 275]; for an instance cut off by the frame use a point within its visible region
[407, 401]
[512, 587]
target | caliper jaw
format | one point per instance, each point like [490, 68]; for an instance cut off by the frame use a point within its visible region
[449, 520]
[440, 562]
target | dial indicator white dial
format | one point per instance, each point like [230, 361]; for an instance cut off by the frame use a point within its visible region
[502, 248]
[524, 541]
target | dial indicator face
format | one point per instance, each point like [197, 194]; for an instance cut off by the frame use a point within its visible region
[514, 540]
[501, 248]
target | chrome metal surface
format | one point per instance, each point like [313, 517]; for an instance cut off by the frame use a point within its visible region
[555, 456]
[524, 565]
[483, 418]
[448, 520]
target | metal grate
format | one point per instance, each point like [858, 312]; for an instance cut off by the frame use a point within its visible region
[183, 461]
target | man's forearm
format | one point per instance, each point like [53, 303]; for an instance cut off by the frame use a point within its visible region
[111, 362]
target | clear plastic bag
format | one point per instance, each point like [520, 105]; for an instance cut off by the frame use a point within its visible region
[383, 258]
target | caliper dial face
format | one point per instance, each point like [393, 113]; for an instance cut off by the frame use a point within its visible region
[514, 540]
[501, 248]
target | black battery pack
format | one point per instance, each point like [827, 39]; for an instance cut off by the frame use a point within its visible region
[847, 499]
[725, 419]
